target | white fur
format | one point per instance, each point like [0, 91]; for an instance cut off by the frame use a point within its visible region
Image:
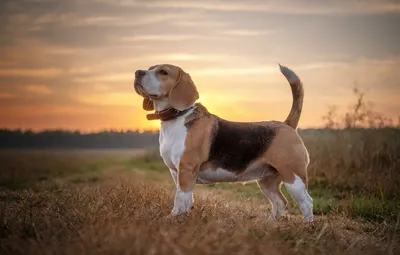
[151, 83]
[208, 176]
[174, 175]
[254, 172]
[299, 193]
[172, 141]
[278, 202]
[172, 145]
[289, 74]
[278, 205]
[183, 202]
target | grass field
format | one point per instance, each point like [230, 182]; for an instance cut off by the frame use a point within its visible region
[116, 202]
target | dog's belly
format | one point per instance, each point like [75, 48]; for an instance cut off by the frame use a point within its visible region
[209, 176]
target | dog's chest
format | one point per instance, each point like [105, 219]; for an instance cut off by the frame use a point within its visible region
[172, 142]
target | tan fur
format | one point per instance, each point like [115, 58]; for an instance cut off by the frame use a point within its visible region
[284, 158]
[184, 93]
[197, 147]
[169, 81]
[273, 184]
[177, 85]
[297, 104]
[287, 154]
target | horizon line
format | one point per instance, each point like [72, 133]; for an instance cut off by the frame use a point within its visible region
[155, 130]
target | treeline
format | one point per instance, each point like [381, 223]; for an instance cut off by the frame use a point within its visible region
[15, 139]
[61, 139]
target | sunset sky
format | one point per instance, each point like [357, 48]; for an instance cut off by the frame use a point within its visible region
[69, 64]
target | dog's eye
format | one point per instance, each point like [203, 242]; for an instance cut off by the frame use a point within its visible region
[163, 72]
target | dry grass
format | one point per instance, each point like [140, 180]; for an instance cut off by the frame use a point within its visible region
[364, 160]
[72, 203]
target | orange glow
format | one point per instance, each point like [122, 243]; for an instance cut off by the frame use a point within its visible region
[74, 68]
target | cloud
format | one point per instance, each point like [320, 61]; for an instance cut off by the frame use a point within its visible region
[143, 61]
[85, 18]
[262, 70]
[79, 70]
[200, 23]
[192, 57]
[85, 53]
[6, 95]
[45, 110]
[274, 6]
[118, 21]
[115, 77]
[318, 65]
[256, 70]
[248, 32]
[37, 73]
[60, 50]
[102, 87]
[169, 37]
[41, 72]
[109, 99]
[39, 90]
[204, 73]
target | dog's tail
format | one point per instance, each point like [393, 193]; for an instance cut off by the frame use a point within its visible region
[298, 95]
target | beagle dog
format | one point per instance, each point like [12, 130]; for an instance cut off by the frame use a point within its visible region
[199, 147]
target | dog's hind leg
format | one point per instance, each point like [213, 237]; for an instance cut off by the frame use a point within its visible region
[298, 191]
[271, 188]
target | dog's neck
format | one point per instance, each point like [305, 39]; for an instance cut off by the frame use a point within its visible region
[165, 112]
[161, 105]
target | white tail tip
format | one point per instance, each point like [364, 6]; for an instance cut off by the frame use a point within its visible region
[289, 74]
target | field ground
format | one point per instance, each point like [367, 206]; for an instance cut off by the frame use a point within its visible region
[116, 202]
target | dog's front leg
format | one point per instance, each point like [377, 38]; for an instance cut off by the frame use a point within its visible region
[187, 174]
[174, 175]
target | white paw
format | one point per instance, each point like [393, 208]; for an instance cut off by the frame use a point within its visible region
[275, 217]
[183, 203]
[272, 218]
[309, 218]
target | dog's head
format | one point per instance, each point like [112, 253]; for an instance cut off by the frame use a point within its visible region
[165, 82]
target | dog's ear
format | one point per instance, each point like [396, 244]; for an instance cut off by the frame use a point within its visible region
[184, 93]
[148, 104]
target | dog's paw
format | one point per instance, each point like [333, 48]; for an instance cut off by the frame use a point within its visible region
[173, 216]
[275, 218]
[176, 213]
[309, 219]
[170, 216]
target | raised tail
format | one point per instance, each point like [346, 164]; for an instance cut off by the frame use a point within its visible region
[298, 94]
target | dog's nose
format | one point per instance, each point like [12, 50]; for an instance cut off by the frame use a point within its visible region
[140, 73]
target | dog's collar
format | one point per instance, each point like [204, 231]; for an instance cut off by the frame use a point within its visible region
[167, 114]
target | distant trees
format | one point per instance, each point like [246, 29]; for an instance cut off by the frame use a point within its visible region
[75, 139]
[359, 115]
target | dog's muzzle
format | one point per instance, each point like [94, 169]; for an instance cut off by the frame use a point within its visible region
[139, 88]
[137, 82]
